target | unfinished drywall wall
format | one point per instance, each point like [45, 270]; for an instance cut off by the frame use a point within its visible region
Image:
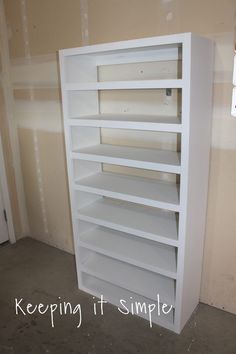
[46, 23]
[9, 136]
[36, 31]
[39, 118]
[113, 20]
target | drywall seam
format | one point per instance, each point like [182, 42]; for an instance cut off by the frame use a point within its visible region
[35, 133]
[40, 181]
[84, 21]
[9, 103]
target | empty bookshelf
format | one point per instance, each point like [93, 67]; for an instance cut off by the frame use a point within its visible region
[137, 122]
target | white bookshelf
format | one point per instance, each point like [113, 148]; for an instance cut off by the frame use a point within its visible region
[137, 132]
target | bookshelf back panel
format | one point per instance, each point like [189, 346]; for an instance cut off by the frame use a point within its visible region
[160, 70]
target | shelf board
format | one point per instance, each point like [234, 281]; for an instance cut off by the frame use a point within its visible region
[125, 85]
[143, 253]
[157, 225]
[141, 44]
[138, 190]
[129, 121]
[113, 294]
[150, 159]
[129, 277]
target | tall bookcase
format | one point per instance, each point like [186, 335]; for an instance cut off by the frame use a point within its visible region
[137, 121]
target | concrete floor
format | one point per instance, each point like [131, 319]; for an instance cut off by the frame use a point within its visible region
[39, 274]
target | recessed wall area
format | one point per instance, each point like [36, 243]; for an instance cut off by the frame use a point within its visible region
[37, 112]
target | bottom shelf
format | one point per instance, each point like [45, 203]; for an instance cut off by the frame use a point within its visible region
[127, 276]
[134, 303]
[143, 253]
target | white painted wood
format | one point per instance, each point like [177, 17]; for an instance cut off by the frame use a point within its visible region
[129, 121]
[122, 248]
[196, 140]
[150, 159]
[81, 69]
[132, 189]
[145, 44]
[124, 85]
[141, 221]
[135, 279]
[114, 294]
[82, 102]
[143, 253]
[85, 137]
[86, 199]
[93, 108]
[83, 169]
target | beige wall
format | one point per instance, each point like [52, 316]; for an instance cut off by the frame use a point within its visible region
[37, 28]
[46, 21]
[38, 115]
[112, 20]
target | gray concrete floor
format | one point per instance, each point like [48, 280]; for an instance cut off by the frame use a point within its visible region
[39, 274]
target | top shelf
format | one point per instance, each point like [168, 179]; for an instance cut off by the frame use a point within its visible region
[144, 44]
[124, 85]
